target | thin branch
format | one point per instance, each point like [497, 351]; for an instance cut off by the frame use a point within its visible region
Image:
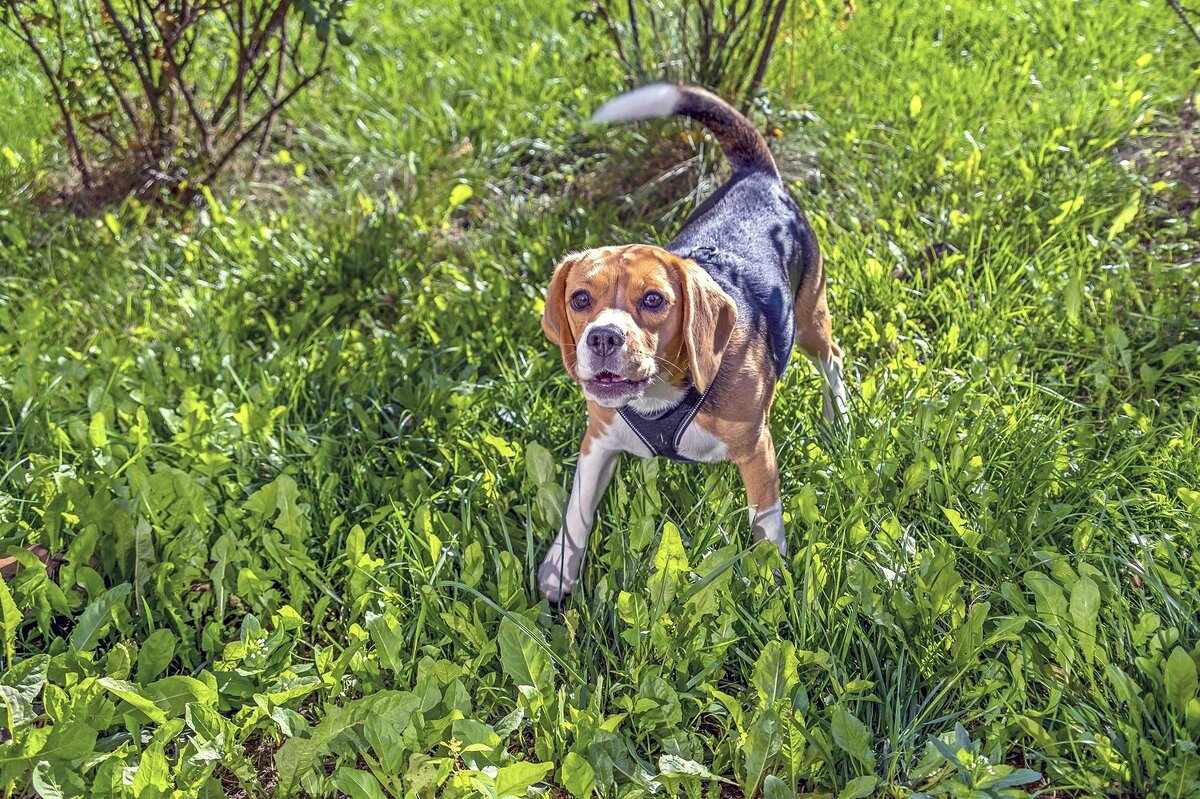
[107, 70]
[148, 86]
[249, 132]
[614, 33]
[173, 76]
[637, 44]
[1187, 23]
[73, 144]
[765, 57]
[266, 134]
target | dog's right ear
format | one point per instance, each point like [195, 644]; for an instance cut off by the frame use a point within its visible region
[554, 317]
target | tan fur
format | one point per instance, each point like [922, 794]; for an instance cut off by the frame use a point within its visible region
[739, 407]
[688, 335]
[760, 473]
[814, 329]
[599, 419]
[554, 317]
[708, 320]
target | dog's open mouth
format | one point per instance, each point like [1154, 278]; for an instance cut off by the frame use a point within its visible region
[610, 384]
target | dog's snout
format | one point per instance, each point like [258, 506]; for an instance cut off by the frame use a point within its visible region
[605, 340]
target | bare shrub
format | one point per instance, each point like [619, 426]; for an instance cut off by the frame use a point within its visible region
[724, 45]
[164, 93]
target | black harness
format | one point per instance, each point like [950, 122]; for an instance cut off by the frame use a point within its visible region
[663, 431]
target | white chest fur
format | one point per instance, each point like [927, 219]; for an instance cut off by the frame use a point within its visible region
[700, 445]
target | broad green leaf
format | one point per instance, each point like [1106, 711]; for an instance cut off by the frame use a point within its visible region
[480, 743]
[127, 691]
[577, 776]
[153, 776]
[155, 654]
[65, 743]
[144, 557]
[296, 756]
[858, 787]
[10, 622]
[509, 724]
[293, 760]
[19, 687]
[388, 635]
[539, 464]
[964, 530]
[357, 784]
[472, 567]
[1180, 678]
[670, 564]
[515, 781]
[525, 660]
[292, 520]
[1051, 602]
[390, 717]
[173, 694]
[96, 618]
[674, 764]
[208, 724]
[761, 743]
[1085, 608]
[1007, 777]
[288, 689]
[98, 428]
[775, 672]
[852, 736]
[17, 711]
[264, 501]
[775, 788]
[56, 781]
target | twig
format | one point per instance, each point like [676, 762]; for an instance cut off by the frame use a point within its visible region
[107, 70]
[76, 149]
[269, 113]
[637, 44]
[614, 33]
[1187, 23]
[148, 85]
[765, 57]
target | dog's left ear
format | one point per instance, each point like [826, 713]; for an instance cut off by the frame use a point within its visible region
[708, 319]
[554, 317]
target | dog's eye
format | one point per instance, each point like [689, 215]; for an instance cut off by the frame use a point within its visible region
[653, 300]
[581, 300]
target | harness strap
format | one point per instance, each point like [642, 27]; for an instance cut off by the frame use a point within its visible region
[662, 433]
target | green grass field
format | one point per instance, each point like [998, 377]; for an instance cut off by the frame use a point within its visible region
[301, 452]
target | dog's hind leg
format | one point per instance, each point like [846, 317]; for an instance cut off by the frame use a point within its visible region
[760, 473]
[814, 335]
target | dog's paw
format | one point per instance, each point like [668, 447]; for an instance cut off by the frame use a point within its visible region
[560, 570]
[554, 579]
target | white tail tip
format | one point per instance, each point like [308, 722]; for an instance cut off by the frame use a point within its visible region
[648, 102]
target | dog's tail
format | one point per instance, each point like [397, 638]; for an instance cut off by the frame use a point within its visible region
[741, 142]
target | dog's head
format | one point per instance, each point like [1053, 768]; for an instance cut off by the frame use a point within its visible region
[629, 317]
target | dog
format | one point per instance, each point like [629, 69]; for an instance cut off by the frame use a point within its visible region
[679, 349]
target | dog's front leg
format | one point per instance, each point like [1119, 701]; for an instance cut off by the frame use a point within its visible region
[560, 569]
[761, 476]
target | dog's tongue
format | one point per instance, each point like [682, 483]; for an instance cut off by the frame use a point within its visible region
[609, 377]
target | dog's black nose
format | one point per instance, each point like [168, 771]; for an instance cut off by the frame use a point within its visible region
[605, 340]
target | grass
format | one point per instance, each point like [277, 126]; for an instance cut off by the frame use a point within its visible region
[300, 453]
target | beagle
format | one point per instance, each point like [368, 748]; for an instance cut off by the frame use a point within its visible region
[678, 349]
